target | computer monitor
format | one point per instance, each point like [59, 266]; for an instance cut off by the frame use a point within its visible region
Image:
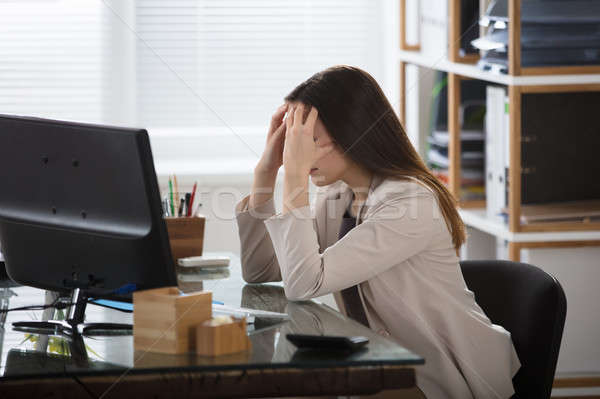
[80, 209]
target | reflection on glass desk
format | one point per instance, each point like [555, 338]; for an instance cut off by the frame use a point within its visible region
[27, 355]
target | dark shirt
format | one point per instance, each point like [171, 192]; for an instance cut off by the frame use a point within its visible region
[350, 296]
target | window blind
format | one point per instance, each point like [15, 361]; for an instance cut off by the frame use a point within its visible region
[187, 70]
[230, 62]
[52, 57]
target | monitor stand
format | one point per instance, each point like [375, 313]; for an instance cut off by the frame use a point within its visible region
[74, 324]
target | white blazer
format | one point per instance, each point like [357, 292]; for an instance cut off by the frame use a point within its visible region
[409, 278]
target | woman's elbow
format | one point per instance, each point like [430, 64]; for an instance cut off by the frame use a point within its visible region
[295, 297]
[260, 271]
[302, 286]
[252, 277]
[294, 294]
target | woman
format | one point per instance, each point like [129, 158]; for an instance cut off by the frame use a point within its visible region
[384, 236]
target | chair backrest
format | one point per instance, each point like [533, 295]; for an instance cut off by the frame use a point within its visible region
[531, 305]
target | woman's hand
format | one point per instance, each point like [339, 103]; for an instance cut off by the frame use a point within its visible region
[265, 172]
[300, 150]
[272, 157]
[300, 153]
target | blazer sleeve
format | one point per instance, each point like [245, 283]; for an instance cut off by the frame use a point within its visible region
[259, 263]
[394, 230]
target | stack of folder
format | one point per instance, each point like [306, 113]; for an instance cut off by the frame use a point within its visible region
[553, 33]
[472, 136]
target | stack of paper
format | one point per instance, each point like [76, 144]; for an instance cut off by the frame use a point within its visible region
[553, 33]
[556, 212]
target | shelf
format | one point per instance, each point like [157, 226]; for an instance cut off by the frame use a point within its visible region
[471, 71]
[478, 219]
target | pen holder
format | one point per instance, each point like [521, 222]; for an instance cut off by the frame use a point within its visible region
[222, 339]
[165, 321]
[186, 236]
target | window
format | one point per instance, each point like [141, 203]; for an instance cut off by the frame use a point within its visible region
[52, 59]
[203, 76]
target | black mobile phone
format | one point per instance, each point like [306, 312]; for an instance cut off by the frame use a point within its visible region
[327, 342]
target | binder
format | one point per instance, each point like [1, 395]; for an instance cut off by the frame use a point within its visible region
[433, 34]
[496, 150]
[560, 147]
[506, 147]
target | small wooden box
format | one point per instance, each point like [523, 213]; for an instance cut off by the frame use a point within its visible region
[223, 339]
[186, 236]
[165, 321]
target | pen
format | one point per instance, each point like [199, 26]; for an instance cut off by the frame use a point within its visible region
[192, 199]
[165, 206]
[181, 205]
[176, 189]
[188, 198]
[171, 196]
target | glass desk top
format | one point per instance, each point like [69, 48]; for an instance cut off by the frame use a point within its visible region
[28, 355]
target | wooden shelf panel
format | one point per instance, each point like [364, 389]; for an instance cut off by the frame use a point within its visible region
[471, 71]
[583, 381]
[469, 204]
[478, 219]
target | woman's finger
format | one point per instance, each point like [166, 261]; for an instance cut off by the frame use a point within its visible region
[299, 113]
[277, 117]
[277, 131]
[280, 131]
[311, 118]
[280, 112]
[289, 119]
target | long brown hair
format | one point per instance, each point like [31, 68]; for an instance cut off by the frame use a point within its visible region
[362, 122]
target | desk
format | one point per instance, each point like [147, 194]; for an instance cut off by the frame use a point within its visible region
[108, 367]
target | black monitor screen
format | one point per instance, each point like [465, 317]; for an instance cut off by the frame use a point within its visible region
[80, 207]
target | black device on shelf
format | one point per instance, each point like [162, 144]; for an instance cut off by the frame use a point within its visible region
[553, 33]
[81, 214]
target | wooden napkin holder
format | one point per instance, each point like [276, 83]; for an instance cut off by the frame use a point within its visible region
[223, 339]
[186, 235]
[165, 321]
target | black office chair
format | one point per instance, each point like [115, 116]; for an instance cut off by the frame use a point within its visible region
[531, 305]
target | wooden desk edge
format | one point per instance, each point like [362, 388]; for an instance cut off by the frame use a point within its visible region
[230, 384]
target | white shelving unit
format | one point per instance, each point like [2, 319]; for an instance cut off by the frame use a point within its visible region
[471, 71]
[569, 251]
[478, 219]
